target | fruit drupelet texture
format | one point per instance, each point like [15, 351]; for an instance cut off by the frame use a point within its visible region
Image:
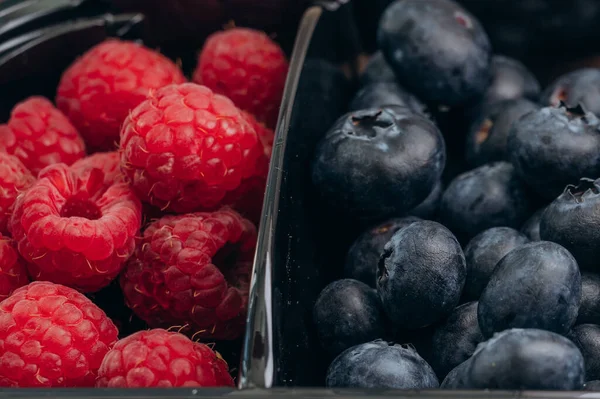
[108, 162]
[14, 179]
[13, 273]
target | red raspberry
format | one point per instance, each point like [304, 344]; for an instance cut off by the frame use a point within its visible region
[108, 162]
[12, 268]
[159, 358]
[246, 66]
[14, 178]
[193, 270]
[52, 336]
[40, 135]
[185, 148]
[106, 83]
[75, 230]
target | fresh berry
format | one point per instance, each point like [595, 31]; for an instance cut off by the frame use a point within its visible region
[537, 285]
[489, 196]
[15, 178]
[521, 359]
[162, 359]
[579, 87]
[418, 257]
[437, 49]
[52, 336]
[484, 252]
[74, 230]
[488, 134]
[511, 80]
[572, 221]
[246, 66]
[589, 310]
[185, 148]
[455, 340]
[40, 135]
[531, 227]
[347, 313]
[380, 365]
[193, 270]
[593, 385]
[587, 339]
[13, 273]
[107, 162]
[456, 377]
[378, 163]
[553, 147]
[377, 70]
[101, 88]
[363, 256]
[379, 94]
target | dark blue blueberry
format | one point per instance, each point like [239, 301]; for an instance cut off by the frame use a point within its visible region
[429, 207]
[587, 339]
[511, 80]
[488, 134]
[455, 340]
[592, 385]
[489, 196]
[536, 285]
[572, 220]
[580, 87]
[456, 377]
[378, 163]
[379, 94]
[421, 275]
[525, 359]
[437, 49]
[589, 310]
[363, 256]
[347, 313]
[553, 147]
[484, 252]
[380, 365]
[377, 70]
[531, 227]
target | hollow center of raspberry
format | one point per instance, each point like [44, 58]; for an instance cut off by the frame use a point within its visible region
[83, 208]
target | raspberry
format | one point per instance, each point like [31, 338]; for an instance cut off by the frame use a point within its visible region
[12, 268]
[246, 66]
[40, 135]
[14, 178]
[99, 89]
[193, 270]
[108, 162]
[52, 336]
[185, 148]
[159, 358]
[75, 230]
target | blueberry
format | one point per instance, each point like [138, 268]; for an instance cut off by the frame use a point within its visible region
[577, 87]
[488, 134]
[592, 385]
[364, 254]
[536, 285]
[511, 80]
[379, 94]
[421, 275]
[572, 221]
[531, 227]
[587, 339]
[526, 359]
[347, 313]
[377, 70]
[437, 49]
[489, 196]
[484, 252]
[378, 163]
[456, 339]
[553, 147]
[456, 377]
[429, 207]
[589, 310]
[378, 364]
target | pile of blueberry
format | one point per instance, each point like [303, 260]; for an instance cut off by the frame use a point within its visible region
[479, 264]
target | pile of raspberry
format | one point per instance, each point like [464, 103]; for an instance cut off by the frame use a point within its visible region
[128, 213]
